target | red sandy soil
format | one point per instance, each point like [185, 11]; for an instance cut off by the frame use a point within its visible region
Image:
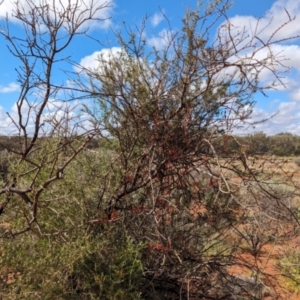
[267, 262]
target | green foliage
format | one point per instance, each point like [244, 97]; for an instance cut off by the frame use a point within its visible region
[283, 144]
[289, 265]
[113, 273]
[74, 258]
[108, 267]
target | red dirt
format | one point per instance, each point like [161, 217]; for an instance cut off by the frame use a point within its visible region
[267, 262]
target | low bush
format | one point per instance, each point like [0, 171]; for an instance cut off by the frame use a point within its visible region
[289, 264]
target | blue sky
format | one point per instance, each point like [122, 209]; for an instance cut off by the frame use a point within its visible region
[285, 102]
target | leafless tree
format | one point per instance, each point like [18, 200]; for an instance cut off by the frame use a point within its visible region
[45, 128]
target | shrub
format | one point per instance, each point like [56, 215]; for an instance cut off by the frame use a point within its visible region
[107, 267]
[289, 264]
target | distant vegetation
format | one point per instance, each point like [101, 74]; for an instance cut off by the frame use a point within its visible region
[258, 143]
[281, 144]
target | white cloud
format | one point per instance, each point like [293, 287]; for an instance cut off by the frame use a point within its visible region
[156, 19]
[6, 125]
[162, 40]
[289, 56]
[10, 88]
[275, 23]
[272, 27]
[278, 14]
[91, 62]
[279, 58]
[58, 116]
[101, 10]
[247, 32]
[292, 54]
[286, 118]
[295, 94]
